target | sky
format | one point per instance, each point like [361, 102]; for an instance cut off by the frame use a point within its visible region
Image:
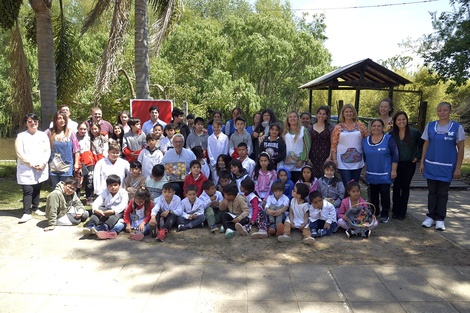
[356, 34]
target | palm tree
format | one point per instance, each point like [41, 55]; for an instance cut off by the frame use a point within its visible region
[167, 11]
[46, 63]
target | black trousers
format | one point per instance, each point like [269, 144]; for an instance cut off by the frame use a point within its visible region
[437, 199]
[31, 197]
[226, 220]
[380, 192]
[401, 188]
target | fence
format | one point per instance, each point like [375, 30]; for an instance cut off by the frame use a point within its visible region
[7, 149]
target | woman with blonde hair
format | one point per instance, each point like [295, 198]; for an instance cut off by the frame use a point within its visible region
[346, 144]
[297, 139]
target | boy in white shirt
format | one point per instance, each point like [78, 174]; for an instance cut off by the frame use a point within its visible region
[211, 198]
[322, 216]
[193, 210]
[107, 209]
[165, 212]
[240, 135]
[247, 163]
[276, 206]
[151, 155]
[298, 216]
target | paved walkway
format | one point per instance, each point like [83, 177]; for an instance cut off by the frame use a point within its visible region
[55, 272]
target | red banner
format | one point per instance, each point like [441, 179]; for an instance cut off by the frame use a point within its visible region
[140, 108]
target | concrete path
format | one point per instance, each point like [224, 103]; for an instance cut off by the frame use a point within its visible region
[62, 271]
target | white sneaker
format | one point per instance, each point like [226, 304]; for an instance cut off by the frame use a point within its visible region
[229, 233]
[284, 238]
[39, 212]
[440, 225]
[241, 230]
[308, 240]
[428, 222]
[25, 218]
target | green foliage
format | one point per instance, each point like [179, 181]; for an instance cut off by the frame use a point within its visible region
[9, 12]
[7, 169]
[447, 50]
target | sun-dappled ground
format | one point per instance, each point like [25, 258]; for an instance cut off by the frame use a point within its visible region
[403, 243]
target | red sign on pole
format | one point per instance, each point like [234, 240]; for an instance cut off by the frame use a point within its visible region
[140, 109]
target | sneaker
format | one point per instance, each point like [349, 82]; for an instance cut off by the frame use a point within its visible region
[229, 233]
[162, 234]
[214, 228]
[87, 231]
[314, 233]
[280, 229]
[272, 231]
[25, 218]
[103, 235]
[240, 229]
[428, 222]
[182, 227]
[348, 233]
[383, 219]
[322, 232]
[259, 234]
[308, 240]
[222, 229]
[367, 234]
[136, 236]
[39, 212]
[284, 238]
[440, 225]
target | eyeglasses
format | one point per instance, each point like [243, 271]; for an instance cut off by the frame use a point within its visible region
[178, 141]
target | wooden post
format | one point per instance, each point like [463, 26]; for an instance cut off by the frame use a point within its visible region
[310, 101]
[330, 97]
[423, 109]
[356, 101]
[340, 107]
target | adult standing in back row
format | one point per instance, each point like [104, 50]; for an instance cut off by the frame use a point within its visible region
[97, 117]
[33, 151]
[443, 152]
[346, 144]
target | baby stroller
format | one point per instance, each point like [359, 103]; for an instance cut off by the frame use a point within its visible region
[361, 218]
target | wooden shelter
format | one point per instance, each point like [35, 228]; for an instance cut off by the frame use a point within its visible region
[364, 74]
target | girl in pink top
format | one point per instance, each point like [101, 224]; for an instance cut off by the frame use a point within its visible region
[264, 175]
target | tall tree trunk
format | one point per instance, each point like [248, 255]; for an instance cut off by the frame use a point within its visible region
[141, 50]
[46, 64]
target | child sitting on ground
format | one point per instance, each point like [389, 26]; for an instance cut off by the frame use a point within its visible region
[195, 177]
[211, 199]
[63, 207]
[353, 200]
[167, 208]
[257, 214]
[151, 155]
[330, 186]
[135, 180]
[276, 206]
[193, 210]
[322, 215]
[233, 210]
[298, 216]
[156, 181]
[137, 214]
[107, 209]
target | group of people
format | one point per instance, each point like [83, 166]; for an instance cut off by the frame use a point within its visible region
[276, 176]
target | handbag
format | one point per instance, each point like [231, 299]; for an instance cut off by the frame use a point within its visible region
[58, 165]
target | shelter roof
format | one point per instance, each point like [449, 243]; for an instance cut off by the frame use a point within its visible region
[365, 74]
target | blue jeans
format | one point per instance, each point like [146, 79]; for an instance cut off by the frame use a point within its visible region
[348, 175]
[191, 223]
[319, 224]
[56, 178]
